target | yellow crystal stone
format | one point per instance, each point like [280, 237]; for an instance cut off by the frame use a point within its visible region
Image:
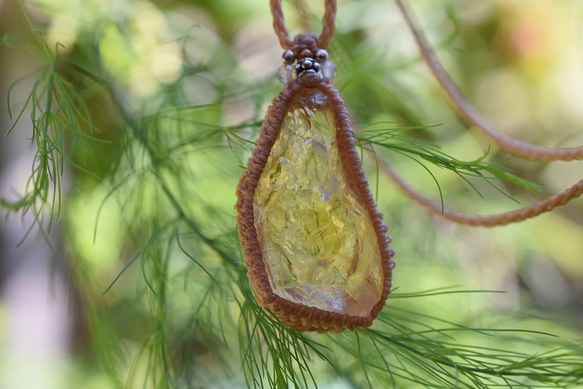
[317, 239]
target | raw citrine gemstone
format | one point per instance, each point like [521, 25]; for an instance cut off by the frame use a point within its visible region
[318, 241]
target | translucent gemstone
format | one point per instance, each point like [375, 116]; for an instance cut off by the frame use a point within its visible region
[328, 70]
[318, 241]
[285, 73]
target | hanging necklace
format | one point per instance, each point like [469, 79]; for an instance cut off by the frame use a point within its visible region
[315, 244]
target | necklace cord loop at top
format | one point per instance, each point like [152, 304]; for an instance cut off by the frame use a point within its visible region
[328, 25]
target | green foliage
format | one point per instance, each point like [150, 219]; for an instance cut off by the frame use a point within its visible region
[162, 280]
[58, 113]
[421, 151]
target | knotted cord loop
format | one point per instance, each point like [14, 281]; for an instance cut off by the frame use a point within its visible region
[307, 40]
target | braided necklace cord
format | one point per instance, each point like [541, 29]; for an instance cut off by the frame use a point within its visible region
[500, 219]
[472, 116]
[328, 25]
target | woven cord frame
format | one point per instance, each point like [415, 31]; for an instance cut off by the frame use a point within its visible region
[299, 316]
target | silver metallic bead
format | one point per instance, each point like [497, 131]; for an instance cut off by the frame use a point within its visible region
[288, 57]
[321, 55]
[307, 63]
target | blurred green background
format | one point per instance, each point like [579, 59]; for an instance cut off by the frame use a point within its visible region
[142, 114]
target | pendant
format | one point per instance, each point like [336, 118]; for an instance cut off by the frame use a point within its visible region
[315, 244]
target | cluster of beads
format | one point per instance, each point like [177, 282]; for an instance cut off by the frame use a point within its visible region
[308, 62]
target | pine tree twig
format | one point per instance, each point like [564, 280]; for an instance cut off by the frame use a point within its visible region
[116, 97]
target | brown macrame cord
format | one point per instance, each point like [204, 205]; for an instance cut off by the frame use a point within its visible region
[472, 116]
[505, 142]
[501, 219]
[328, 25]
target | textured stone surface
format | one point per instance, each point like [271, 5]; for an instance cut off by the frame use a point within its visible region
[318, 241]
